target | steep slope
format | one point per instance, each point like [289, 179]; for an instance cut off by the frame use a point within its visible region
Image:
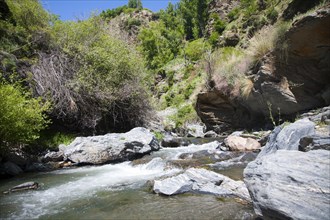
[292, 78]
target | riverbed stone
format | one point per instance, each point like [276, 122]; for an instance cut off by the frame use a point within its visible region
[195, 130]
[10, 168]
[210, 134]
[170, 141]
[314, 142]
[236, 143]
[196, 180]
[114, 147]
[53, 156]
[288, 137]
[290, 184]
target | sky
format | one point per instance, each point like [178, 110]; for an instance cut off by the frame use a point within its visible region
[82, 9]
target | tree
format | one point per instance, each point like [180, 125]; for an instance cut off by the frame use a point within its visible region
[21, 116]
[135, 4]
[195, 15]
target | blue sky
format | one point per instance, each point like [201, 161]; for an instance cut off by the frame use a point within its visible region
[81, 9]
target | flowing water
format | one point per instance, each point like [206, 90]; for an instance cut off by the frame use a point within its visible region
[119, 191]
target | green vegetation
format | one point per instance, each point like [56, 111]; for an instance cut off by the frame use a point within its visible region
[96, 83]
[21, 116]
[76, 73]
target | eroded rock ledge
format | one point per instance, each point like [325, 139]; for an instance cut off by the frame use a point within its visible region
[288, 82]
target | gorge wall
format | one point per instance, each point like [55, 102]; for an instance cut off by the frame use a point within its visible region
[285, 82]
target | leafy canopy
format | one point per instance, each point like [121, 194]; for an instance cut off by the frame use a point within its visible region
[21, 116]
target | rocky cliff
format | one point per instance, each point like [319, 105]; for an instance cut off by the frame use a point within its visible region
[286, 81]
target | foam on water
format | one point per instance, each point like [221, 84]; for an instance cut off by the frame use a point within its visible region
[34, 204]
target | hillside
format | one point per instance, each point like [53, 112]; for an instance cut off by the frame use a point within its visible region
[227, 64]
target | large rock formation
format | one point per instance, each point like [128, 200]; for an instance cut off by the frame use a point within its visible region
[285, 183]
[111, 147]
[286, 81]
[290, 184]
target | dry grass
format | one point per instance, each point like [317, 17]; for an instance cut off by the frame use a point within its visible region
[246, 87]
[267, 39]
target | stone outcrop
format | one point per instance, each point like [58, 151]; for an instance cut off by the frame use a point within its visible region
[286, 81]
[290, 184]
[201, 181]
[113, 147]
[285, 183]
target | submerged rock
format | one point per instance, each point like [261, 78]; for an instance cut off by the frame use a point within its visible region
[290, 184]
[23, 186]
[111, 147]
[201, 181]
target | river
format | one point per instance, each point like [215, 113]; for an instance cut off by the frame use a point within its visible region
[117, 191]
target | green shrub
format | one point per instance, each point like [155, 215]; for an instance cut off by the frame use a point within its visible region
[195, 49]
[158, 135]
[29, 14]
[214, 39]
[130, 22]
[272, 14]
[21, 117]
[233, 14]
[185, 114]
[111, 13]
[50, 140]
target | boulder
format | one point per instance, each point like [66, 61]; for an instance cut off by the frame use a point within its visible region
[111, 147]
[288, 138]
[24, 186]
[10, 168]
[202, 181]
[210, 134]
[170, 141]
[53, 156]
[290, 184]
[314, 142]
[236, 143]
[195, 130]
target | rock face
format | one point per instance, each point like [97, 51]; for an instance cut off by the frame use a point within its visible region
[288, 138]
[201, 181]
[111, 147]
[296, 83]
[236, 143]
[290, 184]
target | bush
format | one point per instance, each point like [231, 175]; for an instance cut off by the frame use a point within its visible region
[96, 81]
[185, 114]
[29, 14]
[195, 49]
[214, 39]
[233, 14]
[22, 117]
